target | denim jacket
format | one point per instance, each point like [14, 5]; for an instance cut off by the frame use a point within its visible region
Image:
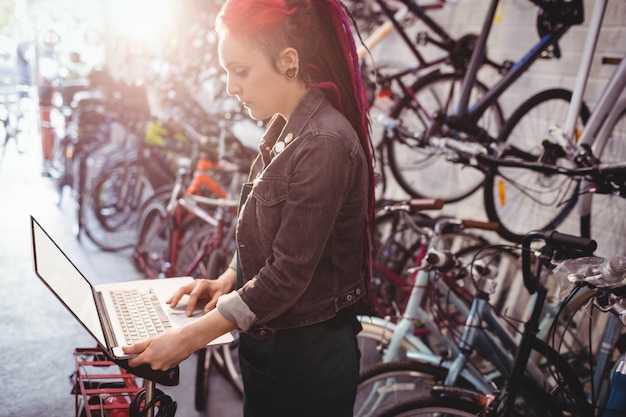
[300, 234]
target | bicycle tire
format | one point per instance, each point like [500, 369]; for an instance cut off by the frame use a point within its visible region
[392, 383]
[374, 338]
[195, 234]
[423, 170]
[603, 223]
[227, 360]
[87, 162]
[57, 165]
[203, 371]
[151, 250]
[463, 404]
[215, 357]
[533, 399]
[61, 167]
[434, 406]
[110, 211]
[521, 200]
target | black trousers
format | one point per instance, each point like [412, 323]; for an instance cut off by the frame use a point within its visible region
[308, 371]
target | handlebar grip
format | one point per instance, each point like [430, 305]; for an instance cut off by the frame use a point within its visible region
[418, 204]
[479, 224]
[584, 244]
[552, 238]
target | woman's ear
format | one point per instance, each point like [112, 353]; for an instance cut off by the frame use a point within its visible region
[288, 59]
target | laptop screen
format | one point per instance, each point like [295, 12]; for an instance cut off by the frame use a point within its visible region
[65, 280]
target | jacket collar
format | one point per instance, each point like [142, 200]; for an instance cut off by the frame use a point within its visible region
[280, 132]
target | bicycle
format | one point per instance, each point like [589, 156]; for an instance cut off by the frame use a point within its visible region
[113, 197]
[387, 87]
[390, 338]
[177, 223]
[567, 396]
[543, 201]
[395, 378]
[91, 134]
[426, 125]
[401, 235]
[90, 116]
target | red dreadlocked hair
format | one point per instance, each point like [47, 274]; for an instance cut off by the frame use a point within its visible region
[321, 32]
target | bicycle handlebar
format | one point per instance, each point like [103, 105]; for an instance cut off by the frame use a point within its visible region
[553, 239]
[479, 224]
[594, 170]
[606, 275]
[416, 204]
[480, 154]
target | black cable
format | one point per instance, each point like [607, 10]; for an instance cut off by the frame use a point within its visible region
[166, 406]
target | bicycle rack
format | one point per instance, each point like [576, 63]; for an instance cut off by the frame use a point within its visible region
[103, 387]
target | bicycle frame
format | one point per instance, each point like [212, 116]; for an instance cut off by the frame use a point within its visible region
[501, 345]
[467, 115]
[584, 148]
[598, 130]
[394, 21]
[502, 403]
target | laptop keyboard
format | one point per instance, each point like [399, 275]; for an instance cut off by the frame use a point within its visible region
[140, 313]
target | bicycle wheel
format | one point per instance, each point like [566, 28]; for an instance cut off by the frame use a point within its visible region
[195, 257]
[389, 384]
[398, 246]
[227, 361]
[151, 253]
[374, 338]
[61, 166]
[111, 208]
[204, 363]
[394, 244]
[57, 161]
[434, 406]
[453, 404]
[604, 223]
[519, 199]
[424, 170]
[223, 358]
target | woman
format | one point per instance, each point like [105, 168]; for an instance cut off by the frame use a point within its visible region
[302, 235]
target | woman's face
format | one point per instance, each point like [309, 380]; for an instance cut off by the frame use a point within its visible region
[253, 79]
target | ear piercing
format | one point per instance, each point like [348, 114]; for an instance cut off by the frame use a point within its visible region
[291, 73]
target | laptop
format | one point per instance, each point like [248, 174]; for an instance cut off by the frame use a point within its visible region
[103, 309]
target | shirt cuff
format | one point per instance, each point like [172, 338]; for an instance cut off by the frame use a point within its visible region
[235, 310]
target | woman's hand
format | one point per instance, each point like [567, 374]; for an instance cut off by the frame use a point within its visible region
[162, 352]
[170, 348]
[205, 289]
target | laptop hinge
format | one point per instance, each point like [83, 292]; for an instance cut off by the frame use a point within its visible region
[104, 316]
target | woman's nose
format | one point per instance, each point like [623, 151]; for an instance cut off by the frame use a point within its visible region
[231, 88]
